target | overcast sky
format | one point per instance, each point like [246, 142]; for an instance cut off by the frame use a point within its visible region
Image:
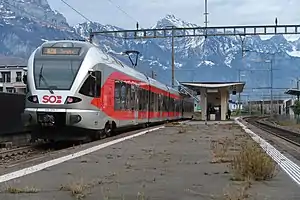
[148, 12]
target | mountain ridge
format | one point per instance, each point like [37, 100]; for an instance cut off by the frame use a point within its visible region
[212, 59]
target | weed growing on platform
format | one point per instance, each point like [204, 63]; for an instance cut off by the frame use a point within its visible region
[253, 163]
[220, 150]
[14, 190]
[172, 124]
[76, 189]
[239, 193]
[182, 130]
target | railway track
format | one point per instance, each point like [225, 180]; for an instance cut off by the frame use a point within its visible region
[289, 136]
[13, 152]
[17, 154]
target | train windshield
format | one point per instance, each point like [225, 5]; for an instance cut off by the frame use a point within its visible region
[55, 74]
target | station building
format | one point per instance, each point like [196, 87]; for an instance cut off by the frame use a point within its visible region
[214, 97]
[11, 79]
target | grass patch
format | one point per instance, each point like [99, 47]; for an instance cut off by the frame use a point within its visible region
[76, 188]
[172, 124]
[288, 123]
[182, 129]
[252, 163]
[238, 193]
[14, 190]
[220, 150]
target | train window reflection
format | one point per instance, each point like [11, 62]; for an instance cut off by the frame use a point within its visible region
[59, 74]
[92, 85]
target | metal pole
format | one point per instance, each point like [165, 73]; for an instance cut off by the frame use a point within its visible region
[239, 98]
[153, 74]
[271, 71]
[173, 58]
[298, 88]
[250, 106]
[205, 17]
[91, 36]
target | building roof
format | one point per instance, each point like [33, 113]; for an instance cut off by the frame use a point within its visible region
[11, 67]
[293, 92]
[196, 86]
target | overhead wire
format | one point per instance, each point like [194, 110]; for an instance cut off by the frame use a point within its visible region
[119, 7]
[76, 10]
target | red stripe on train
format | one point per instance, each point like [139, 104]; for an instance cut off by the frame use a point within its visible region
[106, 101]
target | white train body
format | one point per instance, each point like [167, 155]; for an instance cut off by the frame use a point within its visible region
[75, 86]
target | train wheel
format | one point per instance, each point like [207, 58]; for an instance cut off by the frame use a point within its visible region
[108, 130]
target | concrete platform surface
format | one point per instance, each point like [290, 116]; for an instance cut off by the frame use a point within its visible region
[171, 163]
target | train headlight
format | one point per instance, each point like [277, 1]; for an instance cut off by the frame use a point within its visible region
[33, 99]
[75, 119]
[71, 100]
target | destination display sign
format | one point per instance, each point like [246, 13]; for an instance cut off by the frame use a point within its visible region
[61, 50]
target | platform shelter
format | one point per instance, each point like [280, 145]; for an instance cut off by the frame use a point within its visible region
[214, 97]
[293, 92]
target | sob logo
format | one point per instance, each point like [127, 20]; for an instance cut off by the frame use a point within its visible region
[52, 99]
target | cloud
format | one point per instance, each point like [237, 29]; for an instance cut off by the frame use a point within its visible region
[147, 12]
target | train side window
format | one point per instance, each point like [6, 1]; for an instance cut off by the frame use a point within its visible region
[170, 104]
[152, 106]
[166, 100]
[146, 101]
[154, 102]
[140, 97]
[159, 103]
[92, 85]
[128, 97]
[123, 96]
[117, 95]
[98, 83]
[133, 97]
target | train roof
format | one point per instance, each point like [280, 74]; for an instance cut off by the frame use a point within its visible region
[119, 65]
[75, 43]
[141, 76]
[138, 75]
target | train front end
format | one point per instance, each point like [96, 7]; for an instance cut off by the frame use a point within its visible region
[62, 83]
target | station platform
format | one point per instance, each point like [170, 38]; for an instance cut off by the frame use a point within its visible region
[174, 162]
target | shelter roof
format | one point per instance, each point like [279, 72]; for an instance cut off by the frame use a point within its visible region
[293, 92]
[196, 86]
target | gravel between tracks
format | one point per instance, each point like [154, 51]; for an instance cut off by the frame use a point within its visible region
[172, 163]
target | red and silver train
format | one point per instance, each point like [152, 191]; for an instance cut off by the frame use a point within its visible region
[75, 90]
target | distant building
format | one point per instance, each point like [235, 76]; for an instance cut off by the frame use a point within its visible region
[233, 106]
[11, 79]
[288, 107]
[264, 107]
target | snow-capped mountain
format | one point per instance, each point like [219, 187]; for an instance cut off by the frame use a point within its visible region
[25, 24]
[211, 59]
